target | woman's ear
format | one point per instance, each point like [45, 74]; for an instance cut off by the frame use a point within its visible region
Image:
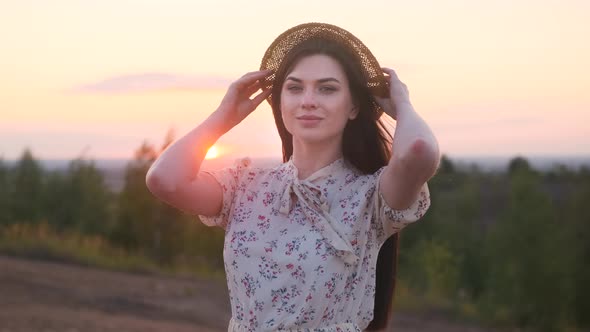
[353, 113]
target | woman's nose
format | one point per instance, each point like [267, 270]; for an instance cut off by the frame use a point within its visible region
[308, 100]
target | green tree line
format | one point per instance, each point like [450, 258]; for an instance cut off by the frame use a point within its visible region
[77, 201]
[507, 247]
[513, 244]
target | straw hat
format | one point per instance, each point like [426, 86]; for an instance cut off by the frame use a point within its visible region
[286, 41]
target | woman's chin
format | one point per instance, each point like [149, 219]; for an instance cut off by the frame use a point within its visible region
[314, 137]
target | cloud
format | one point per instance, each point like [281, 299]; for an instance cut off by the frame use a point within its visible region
[153, 82]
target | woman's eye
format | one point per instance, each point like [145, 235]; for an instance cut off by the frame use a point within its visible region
[327, 89]
[294, 88]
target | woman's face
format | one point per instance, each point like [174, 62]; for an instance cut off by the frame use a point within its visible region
[316, 102]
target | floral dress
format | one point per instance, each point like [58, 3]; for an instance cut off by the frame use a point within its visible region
[301, 255]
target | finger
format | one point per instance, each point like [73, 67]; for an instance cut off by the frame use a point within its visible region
[385, 72]
[256, 75]
[390, 72]
[252, 88]
[394, 80]
[251, 77]
[260, 97]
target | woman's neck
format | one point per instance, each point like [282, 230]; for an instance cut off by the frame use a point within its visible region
[309, 158]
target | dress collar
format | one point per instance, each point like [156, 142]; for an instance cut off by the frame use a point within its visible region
[334, 168]
[314, 202]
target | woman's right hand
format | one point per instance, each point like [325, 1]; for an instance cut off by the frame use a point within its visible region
[176, 178]
[238, 103]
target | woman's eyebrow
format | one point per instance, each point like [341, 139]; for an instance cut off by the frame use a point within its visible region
[321, 80]
[329, 79]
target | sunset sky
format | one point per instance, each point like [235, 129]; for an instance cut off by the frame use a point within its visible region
[96, 78]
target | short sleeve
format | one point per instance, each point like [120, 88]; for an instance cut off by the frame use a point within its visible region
[229, 178]
[391, 221]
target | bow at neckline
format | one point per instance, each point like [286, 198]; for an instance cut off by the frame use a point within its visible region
[314, 203]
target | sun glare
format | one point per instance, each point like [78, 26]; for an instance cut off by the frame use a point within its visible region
[212, 153]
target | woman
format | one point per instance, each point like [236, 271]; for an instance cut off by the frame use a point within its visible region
[302, 239]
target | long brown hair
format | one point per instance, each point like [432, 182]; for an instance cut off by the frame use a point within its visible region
[366, 144]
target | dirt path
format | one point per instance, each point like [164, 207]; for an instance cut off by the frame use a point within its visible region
[45, 296]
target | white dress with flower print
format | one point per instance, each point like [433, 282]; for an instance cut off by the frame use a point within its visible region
[301, 254]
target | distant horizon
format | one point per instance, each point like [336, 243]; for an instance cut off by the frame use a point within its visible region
[245, 155]
[485, 162]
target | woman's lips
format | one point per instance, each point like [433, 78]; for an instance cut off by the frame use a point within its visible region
[309, 117]
[309, 120]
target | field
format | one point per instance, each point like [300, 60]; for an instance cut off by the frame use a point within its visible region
[49, 296]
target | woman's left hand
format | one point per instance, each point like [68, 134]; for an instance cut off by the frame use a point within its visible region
[398, 94]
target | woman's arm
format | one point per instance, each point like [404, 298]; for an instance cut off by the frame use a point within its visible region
[415, 153]
[175, 176]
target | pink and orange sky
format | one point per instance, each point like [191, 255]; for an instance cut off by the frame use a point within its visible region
[96, 78]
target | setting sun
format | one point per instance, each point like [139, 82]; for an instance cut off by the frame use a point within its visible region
[212, 153]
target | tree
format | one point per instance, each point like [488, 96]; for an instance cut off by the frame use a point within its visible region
[26, 197]
[450, 226]
[578, 214]
[527, 284]
[78, 199]
[135, 206]
[4, 193]
[435, 270]
[143, 222]
[460, 227]
[518, 164]
[446, 165]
